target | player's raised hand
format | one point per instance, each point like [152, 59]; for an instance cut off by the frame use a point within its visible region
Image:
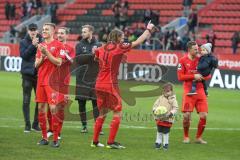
[43, 49]
[150, 26]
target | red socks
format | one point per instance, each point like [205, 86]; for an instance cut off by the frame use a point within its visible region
[186, 125]
[55, 124]
[60, 115]
[49, 117]
[97, 128]
[43, 124]
[113, 129]
[201, 126]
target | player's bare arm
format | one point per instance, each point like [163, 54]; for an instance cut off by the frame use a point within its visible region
[144, 36]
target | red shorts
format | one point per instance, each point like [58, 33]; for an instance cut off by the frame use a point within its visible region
[46, 94]
[164, 123]
[108, 96]
[199, 101]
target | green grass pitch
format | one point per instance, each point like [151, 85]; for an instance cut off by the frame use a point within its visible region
[137, 131]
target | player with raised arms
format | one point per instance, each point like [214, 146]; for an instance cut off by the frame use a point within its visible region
[109, 57]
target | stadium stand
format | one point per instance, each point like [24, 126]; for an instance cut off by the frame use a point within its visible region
[7, 23]
[223, 18]
[99, 12]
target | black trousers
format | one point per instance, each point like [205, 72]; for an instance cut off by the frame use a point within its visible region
[83, 113]
[163, 129]
[27, 85]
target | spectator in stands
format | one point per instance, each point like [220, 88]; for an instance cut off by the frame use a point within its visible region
[47, 8]
[166, 37]
[235, 41]
[24, 10]
[185, 40]
[54, 8]
[211, 39]
[38, 6]
[147, 16]
[192, 21]
[7, 10]
[22, 33]
[13, 34]
[186, 6]
[29, 8]
[155, 17]
[103, 33]
[123, 17]
[116, 11]
[158, 38]
[12, 11]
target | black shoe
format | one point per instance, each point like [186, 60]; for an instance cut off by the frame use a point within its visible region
[115, 145]
[27, 129]
[84, 130]
[43, 142]
[101, 133]
[157, 145]
[36, 128]
[55, 144]
[165, 147]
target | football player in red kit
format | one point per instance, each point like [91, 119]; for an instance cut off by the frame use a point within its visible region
[109, 57]
[64, 79]
[49, 56]
[187, 72]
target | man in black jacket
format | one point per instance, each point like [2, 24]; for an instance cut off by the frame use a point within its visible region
[28, 50]
[86, 74]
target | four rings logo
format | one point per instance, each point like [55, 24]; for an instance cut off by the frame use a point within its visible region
[5, 50]
[12, 64]
[147, 73]
[167, 59]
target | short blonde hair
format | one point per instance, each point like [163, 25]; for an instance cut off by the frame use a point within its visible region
[89, 27]
[67, 30]
[50, 24]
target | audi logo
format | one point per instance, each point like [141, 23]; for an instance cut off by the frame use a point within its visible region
[167, 59]
[147, 73]
[12, 64]
[5, 50]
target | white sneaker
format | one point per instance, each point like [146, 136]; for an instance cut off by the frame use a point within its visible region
[49, 134]
[97, 145]
[59, 137]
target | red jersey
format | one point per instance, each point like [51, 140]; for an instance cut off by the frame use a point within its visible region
[65, 74]
[186, 70]
[47, 67]
[109, 61]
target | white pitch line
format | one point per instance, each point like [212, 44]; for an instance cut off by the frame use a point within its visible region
[134, 127]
